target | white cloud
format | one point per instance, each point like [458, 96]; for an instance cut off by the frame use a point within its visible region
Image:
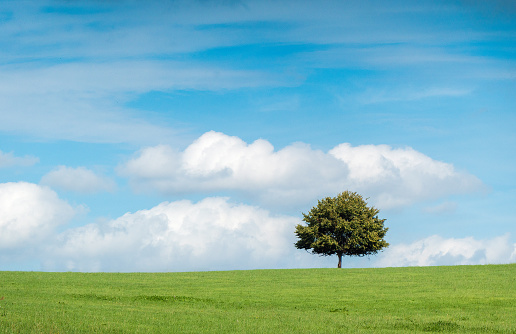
[28, 214]
[296, 174]
[180, 236]
[212, 234]
[398, 177]
[436, 250]
[217, 162]
[10, 160]
[215, 234]
[78, 179]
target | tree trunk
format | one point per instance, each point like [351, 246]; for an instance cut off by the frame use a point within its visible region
[340, 260]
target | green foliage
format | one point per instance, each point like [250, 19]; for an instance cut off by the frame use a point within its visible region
[342, 225]
[462, 299]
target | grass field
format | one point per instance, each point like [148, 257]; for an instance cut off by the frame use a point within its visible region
[462, 299]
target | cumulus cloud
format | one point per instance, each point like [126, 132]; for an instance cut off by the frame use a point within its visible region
[436, 250]
[10, 160]
[296, 174]
[217, 162]
[180, 236]
[398, 177]
[78, 179]
[212, 234]
[216, 234]
[29, 213]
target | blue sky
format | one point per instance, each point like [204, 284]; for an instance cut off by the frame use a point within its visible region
[191, 135]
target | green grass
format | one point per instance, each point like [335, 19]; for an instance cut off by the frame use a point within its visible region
[461, 299]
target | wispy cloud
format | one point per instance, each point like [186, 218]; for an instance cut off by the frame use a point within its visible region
[86, 102]
[443, 208]
[74, 66]
[96, 80]
[10, 160]
[77, 65]
[370, 97]
[80, 179]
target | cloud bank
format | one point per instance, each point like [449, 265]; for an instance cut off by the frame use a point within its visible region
[180, 236]
[216, 234]
[211, 234]
[296, 174]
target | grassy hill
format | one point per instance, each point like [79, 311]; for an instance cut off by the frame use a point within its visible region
[462, 299]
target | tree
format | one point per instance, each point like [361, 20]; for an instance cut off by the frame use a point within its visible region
[342, 225]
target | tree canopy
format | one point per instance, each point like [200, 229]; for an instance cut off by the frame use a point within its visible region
[342, 225]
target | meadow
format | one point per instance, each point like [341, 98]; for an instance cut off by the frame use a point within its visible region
[460, 299]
